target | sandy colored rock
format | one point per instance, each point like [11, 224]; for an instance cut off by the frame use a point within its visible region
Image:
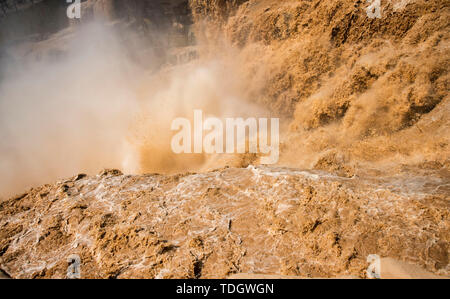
[273, 221]
[393, 269]
[389, 269]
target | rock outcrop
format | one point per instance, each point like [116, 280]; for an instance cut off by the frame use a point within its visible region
[212, 225]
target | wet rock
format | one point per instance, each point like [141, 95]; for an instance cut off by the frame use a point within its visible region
[267, 220]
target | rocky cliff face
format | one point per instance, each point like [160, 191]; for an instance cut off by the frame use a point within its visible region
[38, 20]
[35, 21]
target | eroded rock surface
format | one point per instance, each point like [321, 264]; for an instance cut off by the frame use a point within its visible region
[254, 220]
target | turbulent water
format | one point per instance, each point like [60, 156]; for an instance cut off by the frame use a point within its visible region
[364, 156]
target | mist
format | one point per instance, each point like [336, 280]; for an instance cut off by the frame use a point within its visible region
[86, 100]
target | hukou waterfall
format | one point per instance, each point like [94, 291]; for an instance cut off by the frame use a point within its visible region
[214, 139]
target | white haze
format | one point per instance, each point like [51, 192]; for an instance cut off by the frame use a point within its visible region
[95, 107]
